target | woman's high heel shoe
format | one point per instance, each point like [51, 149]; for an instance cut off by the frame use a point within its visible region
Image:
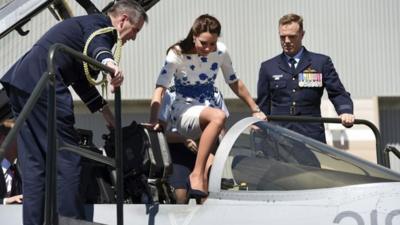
[196, 194]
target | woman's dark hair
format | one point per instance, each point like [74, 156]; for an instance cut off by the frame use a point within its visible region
[203, 23]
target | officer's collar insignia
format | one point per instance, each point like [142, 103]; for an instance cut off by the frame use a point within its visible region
[277, 77]
[310, 70]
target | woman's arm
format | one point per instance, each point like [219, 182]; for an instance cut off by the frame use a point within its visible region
[241, 91]
[155, 106]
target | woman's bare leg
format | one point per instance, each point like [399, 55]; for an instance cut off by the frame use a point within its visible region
[210, 159]
[207, 169]
[212, 122]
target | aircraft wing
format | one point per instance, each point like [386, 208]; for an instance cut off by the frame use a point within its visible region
[15, 13]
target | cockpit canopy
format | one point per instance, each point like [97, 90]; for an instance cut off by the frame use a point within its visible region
[260, 156]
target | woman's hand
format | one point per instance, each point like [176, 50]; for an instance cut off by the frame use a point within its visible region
[191, 145]
[259, 115]
[156, 126]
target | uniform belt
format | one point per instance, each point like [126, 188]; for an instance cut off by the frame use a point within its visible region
[292, 110]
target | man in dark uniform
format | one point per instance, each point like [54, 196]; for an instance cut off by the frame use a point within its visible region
[127, 17]
[293, 82]
[10, 182]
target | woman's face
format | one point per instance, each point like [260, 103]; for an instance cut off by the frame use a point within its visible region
[205, 43]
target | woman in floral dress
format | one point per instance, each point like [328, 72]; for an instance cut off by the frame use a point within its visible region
[193, 65]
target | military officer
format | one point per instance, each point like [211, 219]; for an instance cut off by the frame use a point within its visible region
[293, 82]
[10, 182]
[127, 17]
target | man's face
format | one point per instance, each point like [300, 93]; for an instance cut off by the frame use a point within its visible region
[205, 43]
[128, 30]
[291, 38]
[11, 152]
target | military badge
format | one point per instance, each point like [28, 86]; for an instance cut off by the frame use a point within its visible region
[310, 78]
[277, 76]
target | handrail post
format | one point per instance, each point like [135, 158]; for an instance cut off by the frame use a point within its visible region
[51, 217]
[119, 158]
[50, 209]
[389, 149]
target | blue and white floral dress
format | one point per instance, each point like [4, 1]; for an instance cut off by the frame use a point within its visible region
[194, 78]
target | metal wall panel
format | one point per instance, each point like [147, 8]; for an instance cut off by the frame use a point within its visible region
[361, 36]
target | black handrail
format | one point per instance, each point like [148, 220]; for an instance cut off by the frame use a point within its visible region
[380, 154]
[50, 214]
[389, 149]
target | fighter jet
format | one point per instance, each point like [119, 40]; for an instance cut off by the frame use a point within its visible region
[266, 174]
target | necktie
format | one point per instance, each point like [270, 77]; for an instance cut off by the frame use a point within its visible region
[9, 177]
[292, 62]
[13, 170]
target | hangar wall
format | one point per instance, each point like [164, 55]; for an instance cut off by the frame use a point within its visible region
[361, 36]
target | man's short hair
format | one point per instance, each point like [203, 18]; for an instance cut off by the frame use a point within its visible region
[131, 8]
[291, 18]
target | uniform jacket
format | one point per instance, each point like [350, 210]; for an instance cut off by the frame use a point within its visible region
[279, 93]
[16, 186]
[73, 32]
